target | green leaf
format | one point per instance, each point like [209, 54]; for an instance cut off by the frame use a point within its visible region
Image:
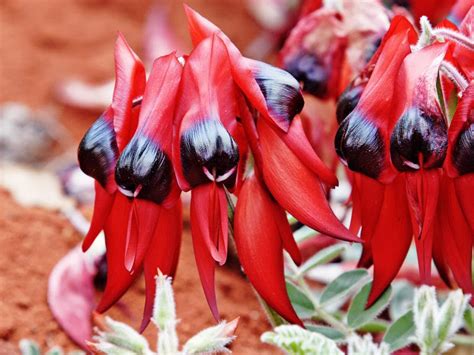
[399, 333]
[56, 350]
[298, 341]
[29, 347]
[402, 300]
[358, 315]
[375, 326]
[302, 304]
[322, 257]
[342, 285]
[469, 319]
[304, 233]
[328, 332]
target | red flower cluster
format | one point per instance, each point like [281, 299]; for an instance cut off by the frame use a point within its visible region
[413, 171]
[192, 126]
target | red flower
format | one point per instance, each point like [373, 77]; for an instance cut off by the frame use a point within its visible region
[397, 134]
[129, 149]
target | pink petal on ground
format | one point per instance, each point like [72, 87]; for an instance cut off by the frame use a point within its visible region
[71, 295]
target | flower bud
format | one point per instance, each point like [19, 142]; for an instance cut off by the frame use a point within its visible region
[419, 140]
[144, 171]
[209, 153]
[463, 151]
[98, 150]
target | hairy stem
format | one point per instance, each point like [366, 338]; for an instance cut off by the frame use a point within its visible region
[454, 75]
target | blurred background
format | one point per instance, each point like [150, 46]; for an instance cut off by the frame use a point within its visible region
[56, 63]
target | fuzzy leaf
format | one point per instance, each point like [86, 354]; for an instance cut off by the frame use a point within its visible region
[29, 347]
[402, 299]
[55, 350]
[301, 303]
[400, 332]
[296, 341]
[328, 332]
[322, 257]
[358, 315]
[213, 339]
[469, 319]
[342, 285]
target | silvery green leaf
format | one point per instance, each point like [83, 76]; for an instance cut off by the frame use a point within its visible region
[56, 350]
[365, 346]
[423, 296]
[213, 339]
[297, 341]
[122, 336]
[400, 332]
[358, 315]
[322, 257]
[343, 285]
[301, 303]
[328, 332]
[164, 307]
[469, 319]
[402, 299]
[303, 234]
[29, 347]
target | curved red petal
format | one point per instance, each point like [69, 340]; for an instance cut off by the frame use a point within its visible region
[298, 142]
[205, 262]
[464, 186]
[115, 230]
[259, 246]
[296, 187]
[130, 79]
[102, 205]
[162, 254]
[391, 239]
[371, 199]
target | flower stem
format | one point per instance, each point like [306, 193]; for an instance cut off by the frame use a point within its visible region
[454, 36]
[320, 312]
[454, 75]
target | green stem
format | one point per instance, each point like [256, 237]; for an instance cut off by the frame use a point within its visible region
[320, 312]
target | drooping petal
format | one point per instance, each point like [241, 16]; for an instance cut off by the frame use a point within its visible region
[391, 238]
[115, 230]
[371, 197]
[455, 236]
[422, 191]
[464, 186]
[102, 206]
[162, 254]
[130, 79]
[260, 248]
[209, 226]
[362, 140]
[296, 187]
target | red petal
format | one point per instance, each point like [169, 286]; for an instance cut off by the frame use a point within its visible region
[118, 278]
[371, 200]
[102, 205]
[130, 79]
[259, 245]
[457, 236]
[162, 253]
[204, 260]
[297, 141]
[211, 219]
[296, 187]
[464, 186]
[463, 117]
[391, 238]
[422, 191]
[286, 234]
